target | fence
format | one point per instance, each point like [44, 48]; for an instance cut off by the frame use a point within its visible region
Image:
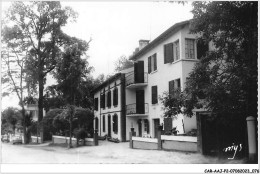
[164, 142]
[65, 140]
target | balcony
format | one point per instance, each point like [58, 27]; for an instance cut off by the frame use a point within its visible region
[134, 80]
[134, 110]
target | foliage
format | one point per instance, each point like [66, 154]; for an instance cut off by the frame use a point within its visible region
[83, 118]
[123, 63]
[47, 123]
[71, 70]
[10, 118]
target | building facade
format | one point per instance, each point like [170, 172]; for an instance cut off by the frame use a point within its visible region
[160, 66]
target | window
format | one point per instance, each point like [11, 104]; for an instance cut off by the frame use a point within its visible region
[152, 63]
[96, 104]
[189, 49]
[115, 124]
[115, 96]
[146, 126]
[104, 123]
[109, 99]
[168, 53]
[154, 95]
[176, 50]
[173, 85]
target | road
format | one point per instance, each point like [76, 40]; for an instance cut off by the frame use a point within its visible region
[105, 153]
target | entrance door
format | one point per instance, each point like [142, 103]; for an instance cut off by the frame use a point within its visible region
[109, 125]
[140, 127]
[156, 124]
[140, 101]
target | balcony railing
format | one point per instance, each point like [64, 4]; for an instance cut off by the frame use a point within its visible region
[132, 79]
[131, 109]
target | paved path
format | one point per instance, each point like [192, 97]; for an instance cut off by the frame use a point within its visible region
[106, 152]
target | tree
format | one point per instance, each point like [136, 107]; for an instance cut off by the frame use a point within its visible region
[123, 63]
[11, 116]
[13, 71]
[38, 24]
[71, 70]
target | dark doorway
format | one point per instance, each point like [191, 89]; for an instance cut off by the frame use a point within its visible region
[140, 102]
[156, 124]
[139, 127]
[139, 72]
[109, 125]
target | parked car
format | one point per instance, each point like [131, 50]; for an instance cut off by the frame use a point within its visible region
[16, 139]
[5, 138]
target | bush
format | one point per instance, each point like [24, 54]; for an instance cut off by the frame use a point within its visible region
[47, 123]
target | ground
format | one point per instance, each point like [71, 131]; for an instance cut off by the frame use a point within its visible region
[106, 152]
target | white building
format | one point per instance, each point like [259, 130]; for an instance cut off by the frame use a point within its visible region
[160, 65]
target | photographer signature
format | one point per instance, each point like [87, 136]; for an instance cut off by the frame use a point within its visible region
[233, 148]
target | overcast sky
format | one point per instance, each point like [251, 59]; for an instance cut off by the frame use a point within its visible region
[115, 29]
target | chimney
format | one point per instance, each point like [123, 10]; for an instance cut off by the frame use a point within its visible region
[143, 43]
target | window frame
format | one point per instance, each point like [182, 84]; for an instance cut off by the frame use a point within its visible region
[188, 48]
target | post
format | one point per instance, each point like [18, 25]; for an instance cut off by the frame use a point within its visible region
[131, 134]
[251, 134]
[96, 137]
[159, 137]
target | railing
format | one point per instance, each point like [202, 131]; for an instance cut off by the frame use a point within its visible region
[130, 78]
[131, 109]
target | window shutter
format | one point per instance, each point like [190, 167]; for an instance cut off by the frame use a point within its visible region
[155, 61]
[115, 97]
[96, 104]
[148, 127]
[171, 87]
[104, 123]
[109, 99]
[164, 49]
[168, 53]
[149, 64]
[104, 101]
[154, 95]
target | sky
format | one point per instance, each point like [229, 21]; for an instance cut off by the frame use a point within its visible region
[115, 29]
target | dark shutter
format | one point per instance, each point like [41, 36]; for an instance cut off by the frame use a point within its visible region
[154, 95]
[96, 104]
[109, 99]
[149, 64]
[115, 97]
[202, 49]
[103, 101]
[171, 87]
[168, 53]
[115, 124]
[155, 61]
[96, 122]
[104, 123]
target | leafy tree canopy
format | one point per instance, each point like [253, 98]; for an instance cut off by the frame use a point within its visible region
[123, 63]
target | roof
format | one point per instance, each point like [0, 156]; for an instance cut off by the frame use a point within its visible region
[107, 82]
[173, 29]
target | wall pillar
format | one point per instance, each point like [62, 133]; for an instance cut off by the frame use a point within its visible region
[252, 144]
[159, 133]
[96, 137]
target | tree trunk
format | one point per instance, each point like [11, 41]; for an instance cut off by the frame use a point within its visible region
[70, 143]
[40, 104]
[24, 127]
